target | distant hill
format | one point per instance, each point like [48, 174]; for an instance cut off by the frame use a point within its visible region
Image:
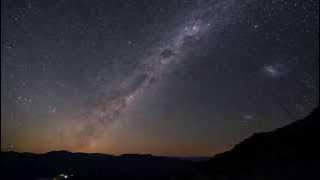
[92, 166]
[289, 153]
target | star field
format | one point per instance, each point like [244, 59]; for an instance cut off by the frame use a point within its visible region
[154, 76]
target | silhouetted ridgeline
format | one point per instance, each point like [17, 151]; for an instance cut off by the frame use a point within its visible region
[287, 153]
[91, 166]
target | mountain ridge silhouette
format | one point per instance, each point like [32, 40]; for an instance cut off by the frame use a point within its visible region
[289, 152]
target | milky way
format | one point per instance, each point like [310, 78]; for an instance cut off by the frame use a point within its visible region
[152, 68]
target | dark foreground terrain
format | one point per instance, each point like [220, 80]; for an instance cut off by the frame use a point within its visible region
[287, 153]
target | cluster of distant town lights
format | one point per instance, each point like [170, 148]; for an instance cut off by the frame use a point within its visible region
[63, 176]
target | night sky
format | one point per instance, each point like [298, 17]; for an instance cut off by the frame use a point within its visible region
[165, 77]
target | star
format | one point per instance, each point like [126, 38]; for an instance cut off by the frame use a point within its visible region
[52, 109]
